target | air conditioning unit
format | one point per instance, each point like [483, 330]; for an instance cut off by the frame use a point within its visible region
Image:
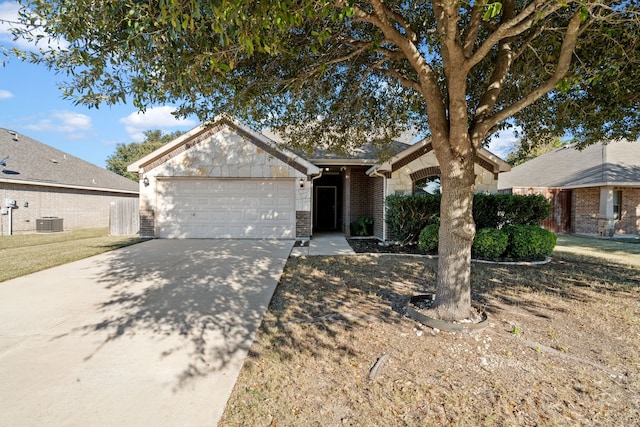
[49, 224]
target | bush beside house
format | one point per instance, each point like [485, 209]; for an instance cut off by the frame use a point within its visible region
[508, 225]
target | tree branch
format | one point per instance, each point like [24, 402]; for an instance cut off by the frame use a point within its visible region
[496, 81]
[513, 27]
[474, 28]
[564, 61]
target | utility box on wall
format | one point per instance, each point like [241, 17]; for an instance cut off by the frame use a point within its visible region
[49, 224]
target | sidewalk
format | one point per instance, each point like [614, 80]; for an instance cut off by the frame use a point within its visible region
[324, 244]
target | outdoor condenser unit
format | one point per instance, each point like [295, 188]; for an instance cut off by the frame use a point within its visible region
[49, 224]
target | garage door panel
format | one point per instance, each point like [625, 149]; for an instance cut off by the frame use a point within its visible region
[211, 208]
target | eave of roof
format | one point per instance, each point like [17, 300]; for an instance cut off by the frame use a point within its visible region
[203, 132]
[612, 164]
[498, 165]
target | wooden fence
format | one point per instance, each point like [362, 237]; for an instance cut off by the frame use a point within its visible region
[124, 217]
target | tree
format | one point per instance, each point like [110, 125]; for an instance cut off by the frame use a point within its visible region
[527, 150]
[128, 153]
[340, 72]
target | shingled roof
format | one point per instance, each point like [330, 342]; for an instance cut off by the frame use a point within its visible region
[35, 163]
[613, 164]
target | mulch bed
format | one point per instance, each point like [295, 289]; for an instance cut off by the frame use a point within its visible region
[375, 246]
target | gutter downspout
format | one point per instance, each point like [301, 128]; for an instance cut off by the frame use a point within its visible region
[384, 205]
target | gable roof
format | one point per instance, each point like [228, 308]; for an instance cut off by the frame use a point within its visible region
[204, 132]
[367, 154]
[485, 158]
[615, 163]
[34, 163]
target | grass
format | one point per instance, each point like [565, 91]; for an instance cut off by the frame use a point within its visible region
[28, 253]
[620, 251]
[572, 358]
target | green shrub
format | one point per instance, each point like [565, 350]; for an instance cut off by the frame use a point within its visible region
[407, 215]
[362, 226]
[428, 240]
[499, 210]
[489, 243]
[529, 242]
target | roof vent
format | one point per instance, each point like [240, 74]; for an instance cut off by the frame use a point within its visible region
[53, 160]
[14, 135]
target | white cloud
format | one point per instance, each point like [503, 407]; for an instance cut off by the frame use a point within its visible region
[74, 125]
[9, 19]
[503, 143]
[5, 94]
[154, 118]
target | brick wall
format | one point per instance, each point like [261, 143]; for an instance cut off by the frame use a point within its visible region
[358, 196]
[147, 223]
[77, 208]
[629, 222]
[585, 210]
[303, 224]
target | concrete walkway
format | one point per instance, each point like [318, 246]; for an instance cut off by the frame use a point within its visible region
[149, 335]
[325, 244]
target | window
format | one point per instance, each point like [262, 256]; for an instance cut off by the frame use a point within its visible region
[429, 185]
[617, 204]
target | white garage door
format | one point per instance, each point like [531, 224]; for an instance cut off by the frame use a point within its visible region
[226, 208]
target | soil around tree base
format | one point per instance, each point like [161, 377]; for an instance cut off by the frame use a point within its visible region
[418, 309]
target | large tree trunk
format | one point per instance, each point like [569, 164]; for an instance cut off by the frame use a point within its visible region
[457, 230]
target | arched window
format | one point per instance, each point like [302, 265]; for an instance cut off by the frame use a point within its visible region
[429, 185]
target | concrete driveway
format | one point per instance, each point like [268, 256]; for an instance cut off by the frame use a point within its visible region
[149, 335]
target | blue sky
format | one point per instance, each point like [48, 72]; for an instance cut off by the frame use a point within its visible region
[31, 103]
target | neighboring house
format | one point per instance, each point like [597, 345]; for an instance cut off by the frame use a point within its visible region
[226, 180]
[593, 191]
[39, 182]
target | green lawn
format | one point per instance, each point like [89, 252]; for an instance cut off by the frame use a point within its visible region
[28, 253]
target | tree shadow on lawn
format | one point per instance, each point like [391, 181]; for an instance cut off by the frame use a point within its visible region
[321, 298]
[199, 299]
[570, 278]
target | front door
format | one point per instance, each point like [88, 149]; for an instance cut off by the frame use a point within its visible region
[326, 207]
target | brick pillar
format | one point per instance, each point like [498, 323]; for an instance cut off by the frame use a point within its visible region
[303, 224]
[147, 223]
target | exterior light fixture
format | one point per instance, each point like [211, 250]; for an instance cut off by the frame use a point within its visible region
[145, 181]
[301, 183]
[26, 204]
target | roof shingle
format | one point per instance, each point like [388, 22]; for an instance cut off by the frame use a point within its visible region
[30, 161]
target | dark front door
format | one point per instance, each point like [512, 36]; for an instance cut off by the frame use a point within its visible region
[325, 207]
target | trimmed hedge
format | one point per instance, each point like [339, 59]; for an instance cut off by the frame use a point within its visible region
[489, 243]
[529, 242]
[428, 240]
[407, 215]
[515, 242]
[499, 210]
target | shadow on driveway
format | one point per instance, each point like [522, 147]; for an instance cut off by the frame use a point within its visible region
[150, 334]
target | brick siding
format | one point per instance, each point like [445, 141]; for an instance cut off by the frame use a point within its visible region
[78, 208]
[629, 222]
[147, 223]
[585, 210]
[358, 196]
[303, 224]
